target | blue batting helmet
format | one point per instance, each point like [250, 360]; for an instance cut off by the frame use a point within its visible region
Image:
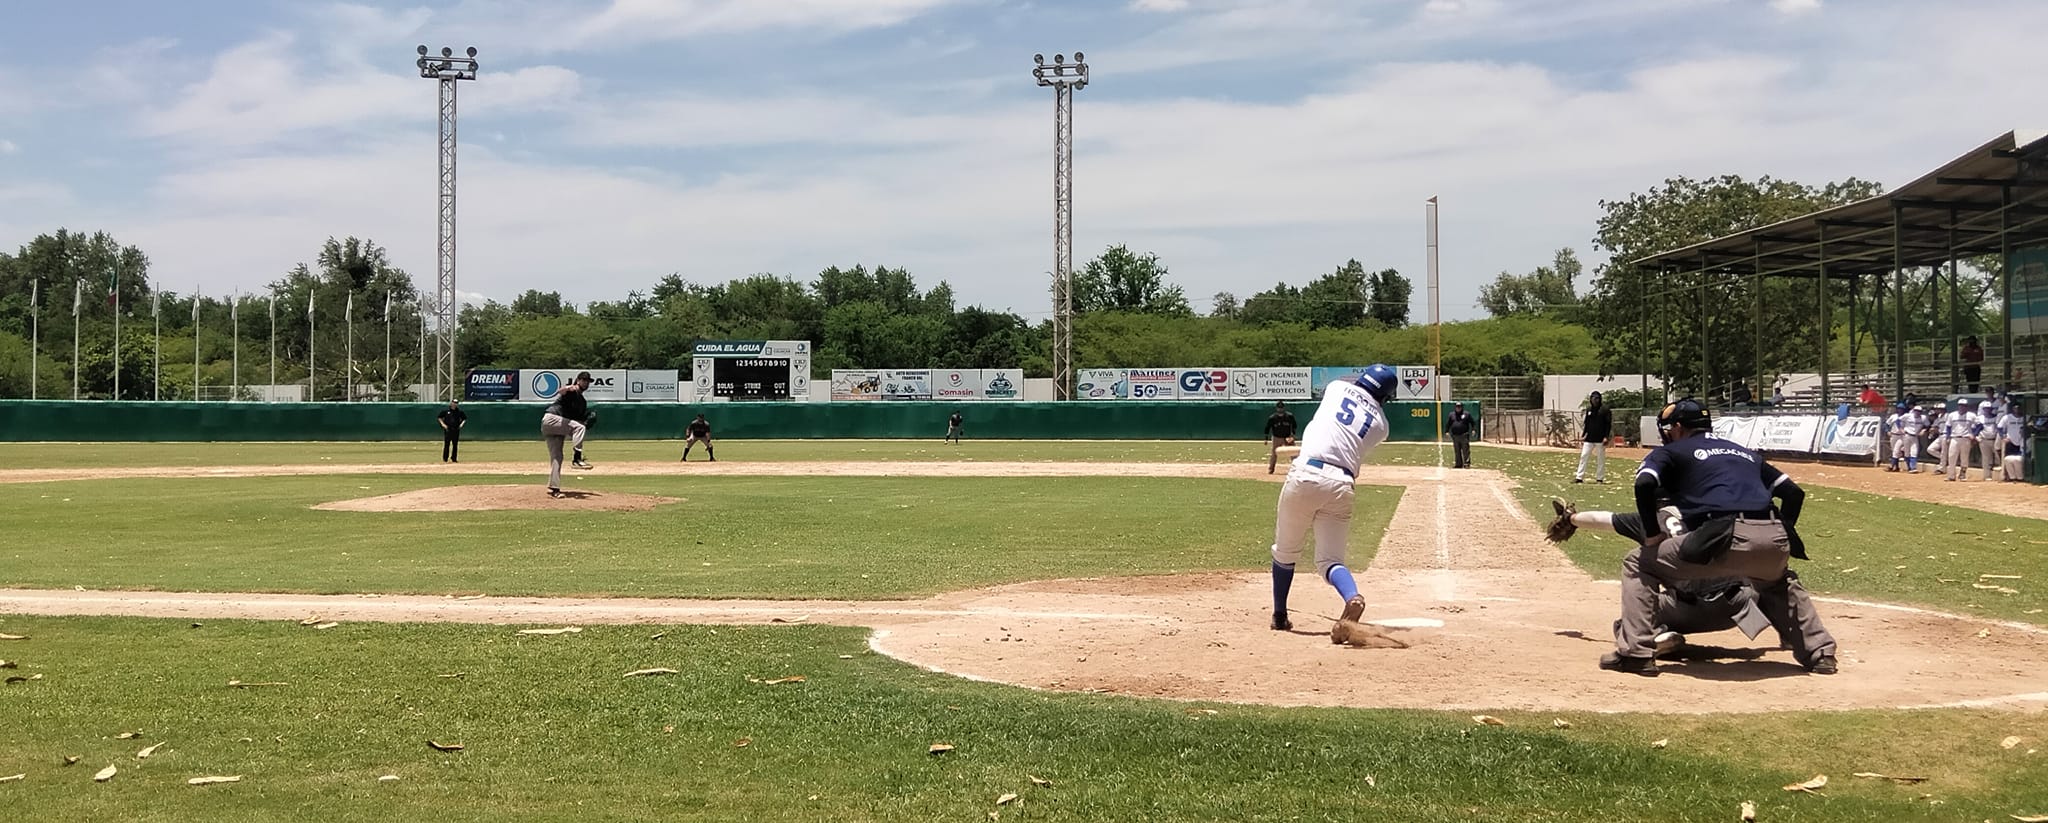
[1379, 380]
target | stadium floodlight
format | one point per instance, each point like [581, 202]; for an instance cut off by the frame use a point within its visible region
[446, 69]
[1065, 78]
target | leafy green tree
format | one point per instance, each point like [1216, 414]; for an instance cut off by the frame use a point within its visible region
[1547, 291]
[1391, 294]
[537, 303]
[1224, 305]
[1119, 280]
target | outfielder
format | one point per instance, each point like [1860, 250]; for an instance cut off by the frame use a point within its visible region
[563, 420]
[1683, 607]
[1318, 494]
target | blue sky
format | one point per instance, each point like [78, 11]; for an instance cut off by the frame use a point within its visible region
[611, 142]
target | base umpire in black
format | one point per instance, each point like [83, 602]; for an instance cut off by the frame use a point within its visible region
[452, 419]
[1459, 425]
[1723, 494]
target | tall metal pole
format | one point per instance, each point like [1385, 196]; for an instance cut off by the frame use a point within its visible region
[387, 346]
[348, 360]
[446, 69]
[235, 346]
[423, 349]
[2005, 284]
[195, 343]
[156, 366]
[77, 289]
[1436, 342]
[114, 297]
[1899, 301]
[35, 332]
[270, 394]
[1827, 329]
[1064, 78]
[312, 390]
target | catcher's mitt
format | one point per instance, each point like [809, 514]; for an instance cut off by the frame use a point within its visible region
[1562, 528]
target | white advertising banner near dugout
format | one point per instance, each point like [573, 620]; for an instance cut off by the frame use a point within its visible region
[1856, 436]
[1152, 384]
[542, 385]
[1786, 433]
[1284, 383]
[1738, 430]
[1100, 384]
[956, 384]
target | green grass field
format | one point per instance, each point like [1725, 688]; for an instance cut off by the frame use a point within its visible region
[554, 733]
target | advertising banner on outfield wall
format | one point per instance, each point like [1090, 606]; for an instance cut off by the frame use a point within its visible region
[906, 384]
[1284, 383]
[1152, 384]
[862, 384]
[492, 384]
[1786, 433]
[1100, 384]
[544, 384]
[798, 353]
[956, 384]
[1417, 383]
[1202, 384]
[1002, 384]
[1738, 430]
[1320, 377]
[652, 384]
[1856, 436]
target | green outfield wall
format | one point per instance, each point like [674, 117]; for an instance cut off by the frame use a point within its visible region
[64, 420]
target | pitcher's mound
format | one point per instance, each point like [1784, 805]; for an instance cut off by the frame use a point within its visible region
[498, 498]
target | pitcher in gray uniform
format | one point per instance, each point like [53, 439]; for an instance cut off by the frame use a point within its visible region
[564, 420]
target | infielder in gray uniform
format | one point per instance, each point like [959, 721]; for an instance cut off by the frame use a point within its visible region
[1684, 607]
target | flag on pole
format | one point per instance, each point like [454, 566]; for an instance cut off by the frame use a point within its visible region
[77, 288]
[387, 307]
[155, 298]
[309, 304]
[234, 311]
[195, 311]
[35, 293]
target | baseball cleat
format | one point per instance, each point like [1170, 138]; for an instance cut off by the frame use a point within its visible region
[1645, 666]
[1824, 664]
[1353, 609]
[1668, 642]
[581, 465]
[1281, 623]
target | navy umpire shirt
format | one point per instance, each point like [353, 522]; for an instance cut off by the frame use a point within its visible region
[1705, 475]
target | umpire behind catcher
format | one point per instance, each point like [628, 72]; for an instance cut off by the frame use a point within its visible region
[1723, 494]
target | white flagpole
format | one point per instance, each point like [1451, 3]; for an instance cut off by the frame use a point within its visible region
[270, 394]
[348, 361]
[35, 332]
[156, 367]
[312, 394]
[387, 346]
[114, 294]
[235, 346]
[195, 342]
[77, 289]
[1436, 338]
[423, 345]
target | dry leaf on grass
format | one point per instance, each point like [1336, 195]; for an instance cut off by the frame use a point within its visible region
[9, 664]
[1893, 778]
[1816, 782]
[212, 779]
[1748, 811]
[453, 674]
[743, 742]
[1983, 633]
[1371, 783]
[145, 753]
[444, 747]
[105, 774]
[794, 678]
[71, 760]
[1488, 720]
[1561, 723]
[648, 672]
[1006, 798]
[1998, 577]
[315, 619]
[657, 635]
[1851, 569]
[563, 630]
[1039, 781]
[389, 778]
[19, 679]
[1660, 743]
[473, 597]
[939, 748]
[846, 657]
[237, 684]
[797, 619]
[13, 637]
[13, 777]
[127, 735]
[2009, 742]
[2029, 818]
[327, 625]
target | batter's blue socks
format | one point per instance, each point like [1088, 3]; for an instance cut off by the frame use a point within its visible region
[1341, 578]
[1283, 579]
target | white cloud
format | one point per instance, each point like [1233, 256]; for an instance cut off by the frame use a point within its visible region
[260, 91]
[639, 21]
[1795, 6]
[8, 147]
[1159, 5]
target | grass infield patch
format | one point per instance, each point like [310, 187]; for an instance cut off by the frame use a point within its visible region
[552, 731]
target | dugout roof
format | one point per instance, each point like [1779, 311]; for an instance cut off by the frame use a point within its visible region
[1988, 201]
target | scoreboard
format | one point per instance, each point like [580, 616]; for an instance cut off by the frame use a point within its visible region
[724, 370]
[759, 378]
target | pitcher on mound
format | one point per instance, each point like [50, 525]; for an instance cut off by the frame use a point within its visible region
[1317, 496]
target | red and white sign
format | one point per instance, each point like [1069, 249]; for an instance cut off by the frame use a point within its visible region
[1153, 384]
[956, 384]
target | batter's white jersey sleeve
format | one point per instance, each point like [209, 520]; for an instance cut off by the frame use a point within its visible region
[1346, 428]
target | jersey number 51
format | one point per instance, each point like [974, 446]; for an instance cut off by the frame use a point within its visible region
[1348, 414]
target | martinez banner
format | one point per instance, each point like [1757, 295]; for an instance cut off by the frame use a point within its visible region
[492, 384]
[1100, 384]
[1151, 384]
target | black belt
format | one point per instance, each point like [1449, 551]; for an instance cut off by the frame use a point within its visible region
[1319, 464]
[1694, 521]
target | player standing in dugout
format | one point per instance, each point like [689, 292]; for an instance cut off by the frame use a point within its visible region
[1279, 432]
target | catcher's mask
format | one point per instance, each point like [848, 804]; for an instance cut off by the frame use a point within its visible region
[1685, 412]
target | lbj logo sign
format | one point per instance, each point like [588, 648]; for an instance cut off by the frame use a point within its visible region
[1417, 383]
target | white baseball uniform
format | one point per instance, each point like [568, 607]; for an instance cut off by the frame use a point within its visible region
[1957, 444]
[1318, 495]
[1988, 440]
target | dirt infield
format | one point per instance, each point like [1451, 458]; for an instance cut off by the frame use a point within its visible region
[498, 498]
[1495, 619]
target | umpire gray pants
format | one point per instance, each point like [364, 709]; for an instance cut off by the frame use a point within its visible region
[555, 428]
[1759, 552]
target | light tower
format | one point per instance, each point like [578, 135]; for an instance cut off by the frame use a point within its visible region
[446, 69]
[1065, 78]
